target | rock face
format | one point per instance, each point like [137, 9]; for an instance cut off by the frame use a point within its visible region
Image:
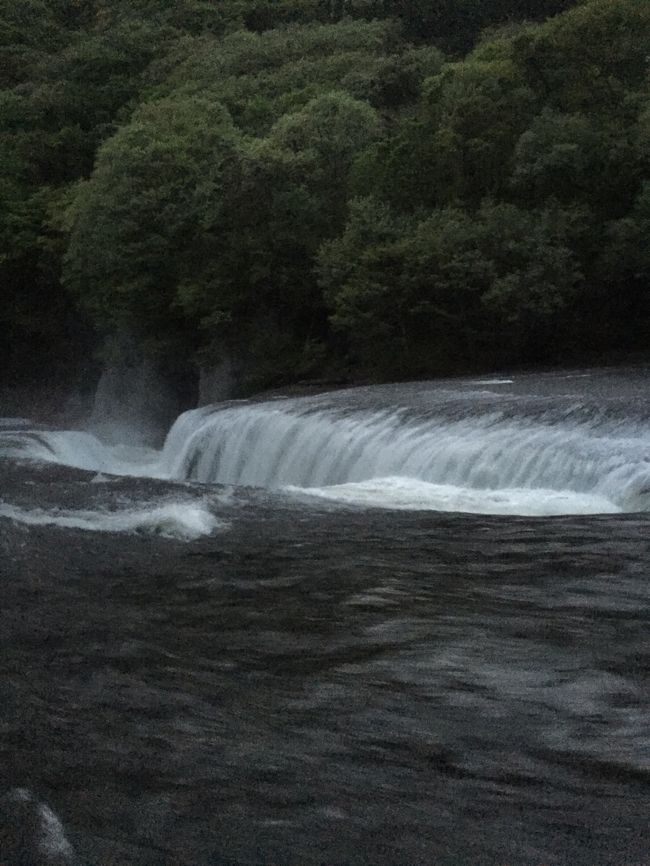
[131, 396]
[30, 832]
[136, 395]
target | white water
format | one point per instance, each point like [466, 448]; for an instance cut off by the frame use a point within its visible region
[479, 463]
[473, 451]
[182, 520]
[408, 494]
[50, 840]
[81, 451]
[14, 422]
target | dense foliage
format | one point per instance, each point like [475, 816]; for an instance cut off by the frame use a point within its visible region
[389, 188]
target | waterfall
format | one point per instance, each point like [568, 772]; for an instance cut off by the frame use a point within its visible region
[417, 446]
[296, 443]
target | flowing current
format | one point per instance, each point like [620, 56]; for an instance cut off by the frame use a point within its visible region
[403, 625]
[481, 447]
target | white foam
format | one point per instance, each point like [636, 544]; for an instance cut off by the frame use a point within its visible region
[53, 840]
[20, 795]
[49, 839]
[410, 494]
[183, 520]
[81, 451]
[15, 422]
[492, 382]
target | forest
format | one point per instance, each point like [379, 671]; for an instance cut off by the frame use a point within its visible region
[352, 190]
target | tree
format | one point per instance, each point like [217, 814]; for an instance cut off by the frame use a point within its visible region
[142, 217]
[459, 145]
[284, 195]
[452, 289]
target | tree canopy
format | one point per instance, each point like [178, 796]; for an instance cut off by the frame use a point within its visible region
[356, 187]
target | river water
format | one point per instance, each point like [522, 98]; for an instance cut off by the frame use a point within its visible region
[392, 625]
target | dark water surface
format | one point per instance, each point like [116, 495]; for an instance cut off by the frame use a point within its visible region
[328, 686]
[312, 680]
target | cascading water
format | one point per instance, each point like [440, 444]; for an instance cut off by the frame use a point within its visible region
[477, 462]
[413, 447]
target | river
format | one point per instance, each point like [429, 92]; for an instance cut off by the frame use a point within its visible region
[387, 626]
